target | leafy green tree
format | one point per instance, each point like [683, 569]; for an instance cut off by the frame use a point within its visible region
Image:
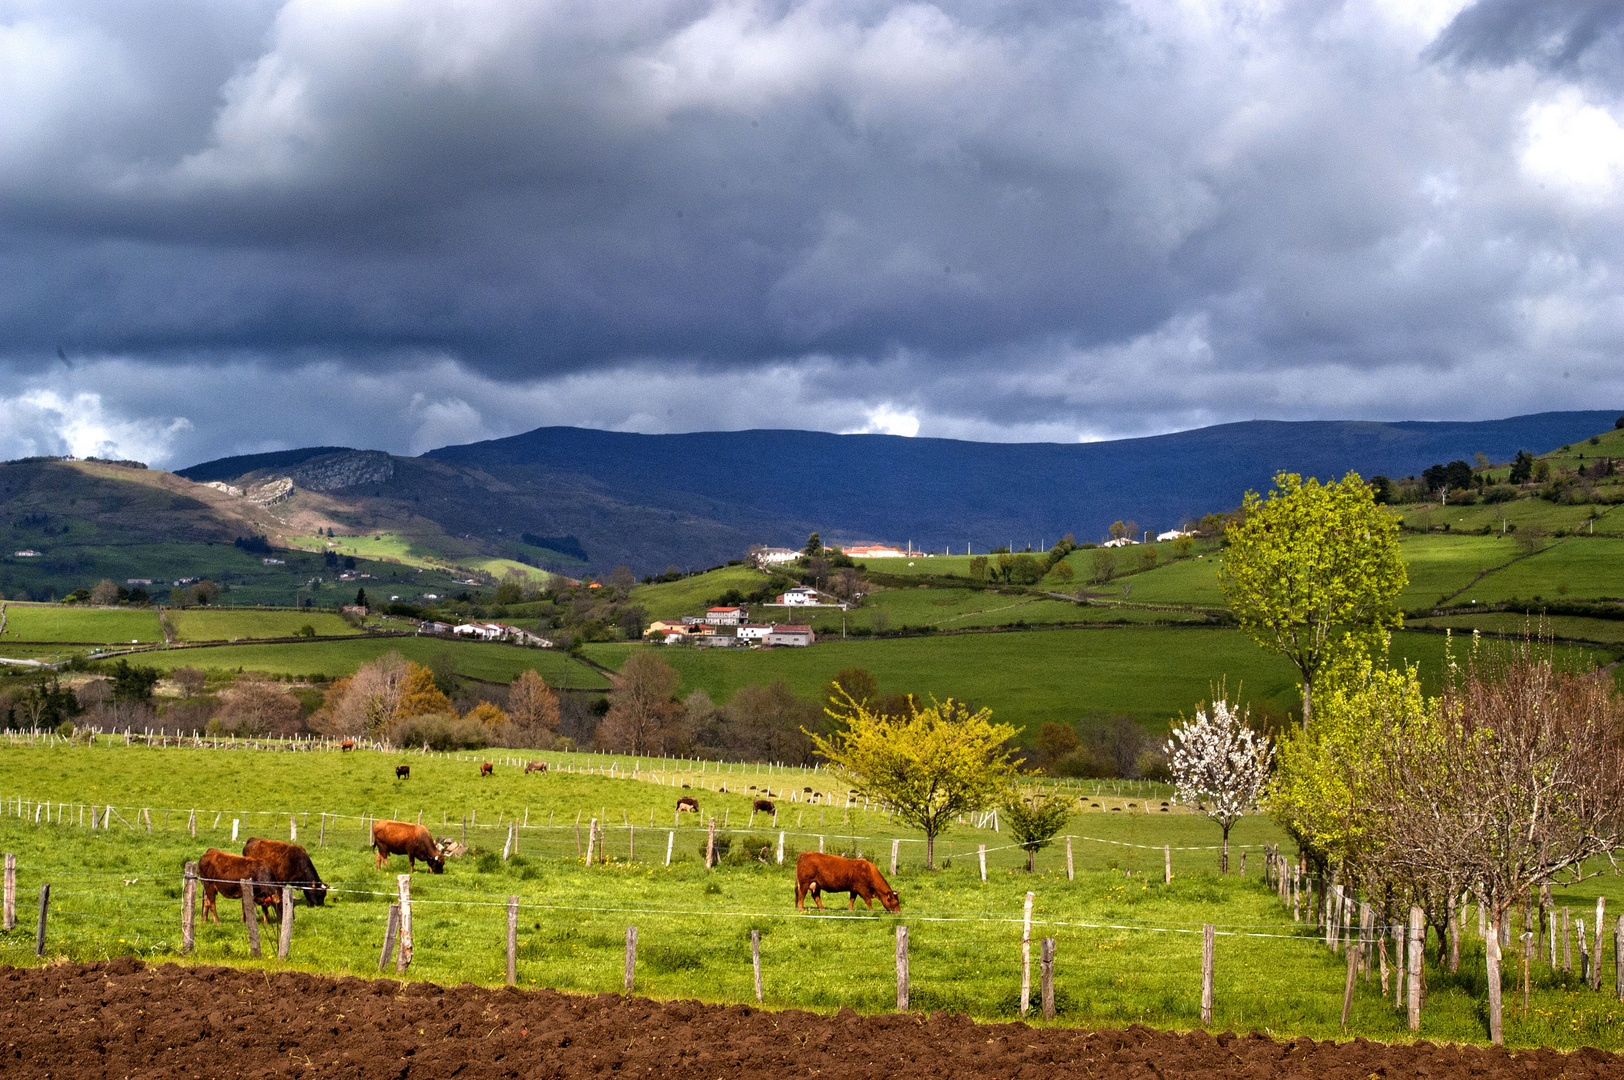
[1025, 569]
[814, 546]
[1062, 572]
[1055, 741]
[1313, 570]
[1034, 821]
[133, 683]
[978, 568]
[1102, 566]
[931, 764]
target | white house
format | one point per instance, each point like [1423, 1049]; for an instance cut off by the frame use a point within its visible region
[725, 616]
[27, 553]
[480, 631]
[754, 632]
[800, 596]
[774, 556]
[718, 639]
[793, 636]
[1172, 534]
[1121, 541]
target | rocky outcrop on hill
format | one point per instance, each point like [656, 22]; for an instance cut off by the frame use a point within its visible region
[347, 469]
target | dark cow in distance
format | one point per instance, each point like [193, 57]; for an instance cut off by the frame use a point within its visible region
[535, 766]
[223, 873]
[764, 805]
[687, 802]
[412, 841]
[817, 873]
[486, 768]
[403, 772]
[290, 865]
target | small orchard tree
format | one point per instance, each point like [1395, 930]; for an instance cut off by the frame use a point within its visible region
[1035, 821]
[1220, 765]
[931, 764]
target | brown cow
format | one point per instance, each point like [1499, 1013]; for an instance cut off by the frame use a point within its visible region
[412, 841]
[534, 766]
[403, 772]
[347, 744]
[687, 802]
[818, 873]
[764, 805]
[290, 865]
[486, 768]
[222, 873]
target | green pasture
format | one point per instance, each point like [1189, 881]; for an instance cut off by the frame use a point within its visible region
[1560, 627]
[1576, 568]
[1521, 514]
[691, 595]
[223, 624]
[1028, 679]
[56, 622]
[1441, 565]
[959, 609]
[1192, 581]
[1128, 945]
[478, 660]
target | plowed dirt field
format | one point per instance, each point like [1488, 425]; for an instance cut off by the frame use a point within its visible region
[123, 1019]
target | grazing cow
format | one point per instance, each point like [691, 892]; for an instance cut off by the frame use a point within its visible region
[222, 873]
[403, 772]
[290, 865]
[534, 766]
[687, 802]
[817, 873]
[412, 841]
[764, 805]
[347, 744]
[486, 768]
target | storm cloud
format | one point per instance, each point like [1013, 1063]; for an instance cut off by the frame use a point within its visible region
[244, 226]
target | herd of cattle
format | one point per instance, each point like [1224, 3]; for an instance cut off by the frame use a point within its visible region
[272, 864]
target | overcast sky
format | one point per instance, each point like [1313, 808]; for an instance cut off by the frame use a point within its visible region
[228, 227]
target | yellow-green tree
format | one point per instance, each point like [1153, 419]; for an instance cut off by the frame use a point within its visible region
[1313, 570]
[1034, 821]
[419, 696]
[930, 764]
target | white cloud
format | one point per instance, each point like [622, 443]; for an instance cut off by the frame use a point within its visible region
[887, 419]
[44, 421]
[1574, 146]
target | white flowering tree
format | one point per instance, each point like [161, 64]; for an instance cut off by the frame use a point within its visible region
[1220, 765]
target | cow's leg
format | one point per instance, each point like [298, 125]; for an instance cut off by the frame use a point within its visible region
[208, 902]
[800, 898]
[383, 860]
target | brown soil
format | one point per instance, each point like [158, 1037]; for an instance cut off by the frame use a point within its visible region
[123, 1019]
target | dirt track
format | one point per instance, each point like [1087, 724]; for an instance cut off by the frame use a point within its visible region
[121, 1019]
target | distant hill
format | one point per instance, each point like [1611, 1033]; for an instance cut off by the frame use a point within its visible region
[696, 499]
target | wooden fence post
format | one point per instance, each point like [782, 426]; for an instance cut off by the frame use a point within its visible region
[250, 915]
[285, 942]
[1167, 864]
[1618, 958]
[1417, 945]
[1026, 955]
[188, 908]
[390, 928]
[902, 969]
[513, 941]
[1208, 936]
[780, 849]
[293, 828]
[895, 845]
[1567, 941]
[1046, 975]
[710, 844]
[1595, 963]
[8, 917]
[631, 956]
[1070, 873]
[44, 906]
[591, 838]
[191, 824]
[322, 841]
[1347, 990]
[1491, 961]
[1584, 951]
[670, 842]
[755, 956]
[403, 883]
[982, 854]
[631, 843]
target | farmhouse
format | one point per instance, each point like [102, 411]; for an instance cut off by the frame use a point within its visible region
[753, 633]
[1172, 534]
[718, 638]
[773, 556]
[725, 616]
[800, 596]
[1121, 541]
[27, 553]
[875, 551]
[794, 636]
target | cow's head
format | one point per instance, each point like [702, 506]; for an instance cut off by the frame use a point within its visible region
[437, 860]
[890, 900]
[316, 894]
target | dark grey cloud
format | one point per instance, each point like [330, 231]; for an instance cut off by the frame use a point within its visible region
[396, 223]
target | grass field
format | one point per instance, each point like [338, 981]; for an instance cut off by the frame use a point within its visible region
[1572, 628]
[478, 660]
[54, 622]
[1520, 514]
[960, 609]
[1128, 945]
[222, 624]
[690, 595]
[1577, 568]
[1027, 679]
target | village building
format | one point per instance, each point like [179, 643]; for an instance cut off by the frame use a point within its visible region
[800, 596]
[754, 633]
[726, 616]
[874, 551]
[793, 636]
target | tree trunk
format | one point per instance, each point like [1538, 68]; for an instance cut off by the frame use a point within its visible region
[1491, 960]
[1308, 701]
[1031, 860]
[930, 851]
[1223, 863]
